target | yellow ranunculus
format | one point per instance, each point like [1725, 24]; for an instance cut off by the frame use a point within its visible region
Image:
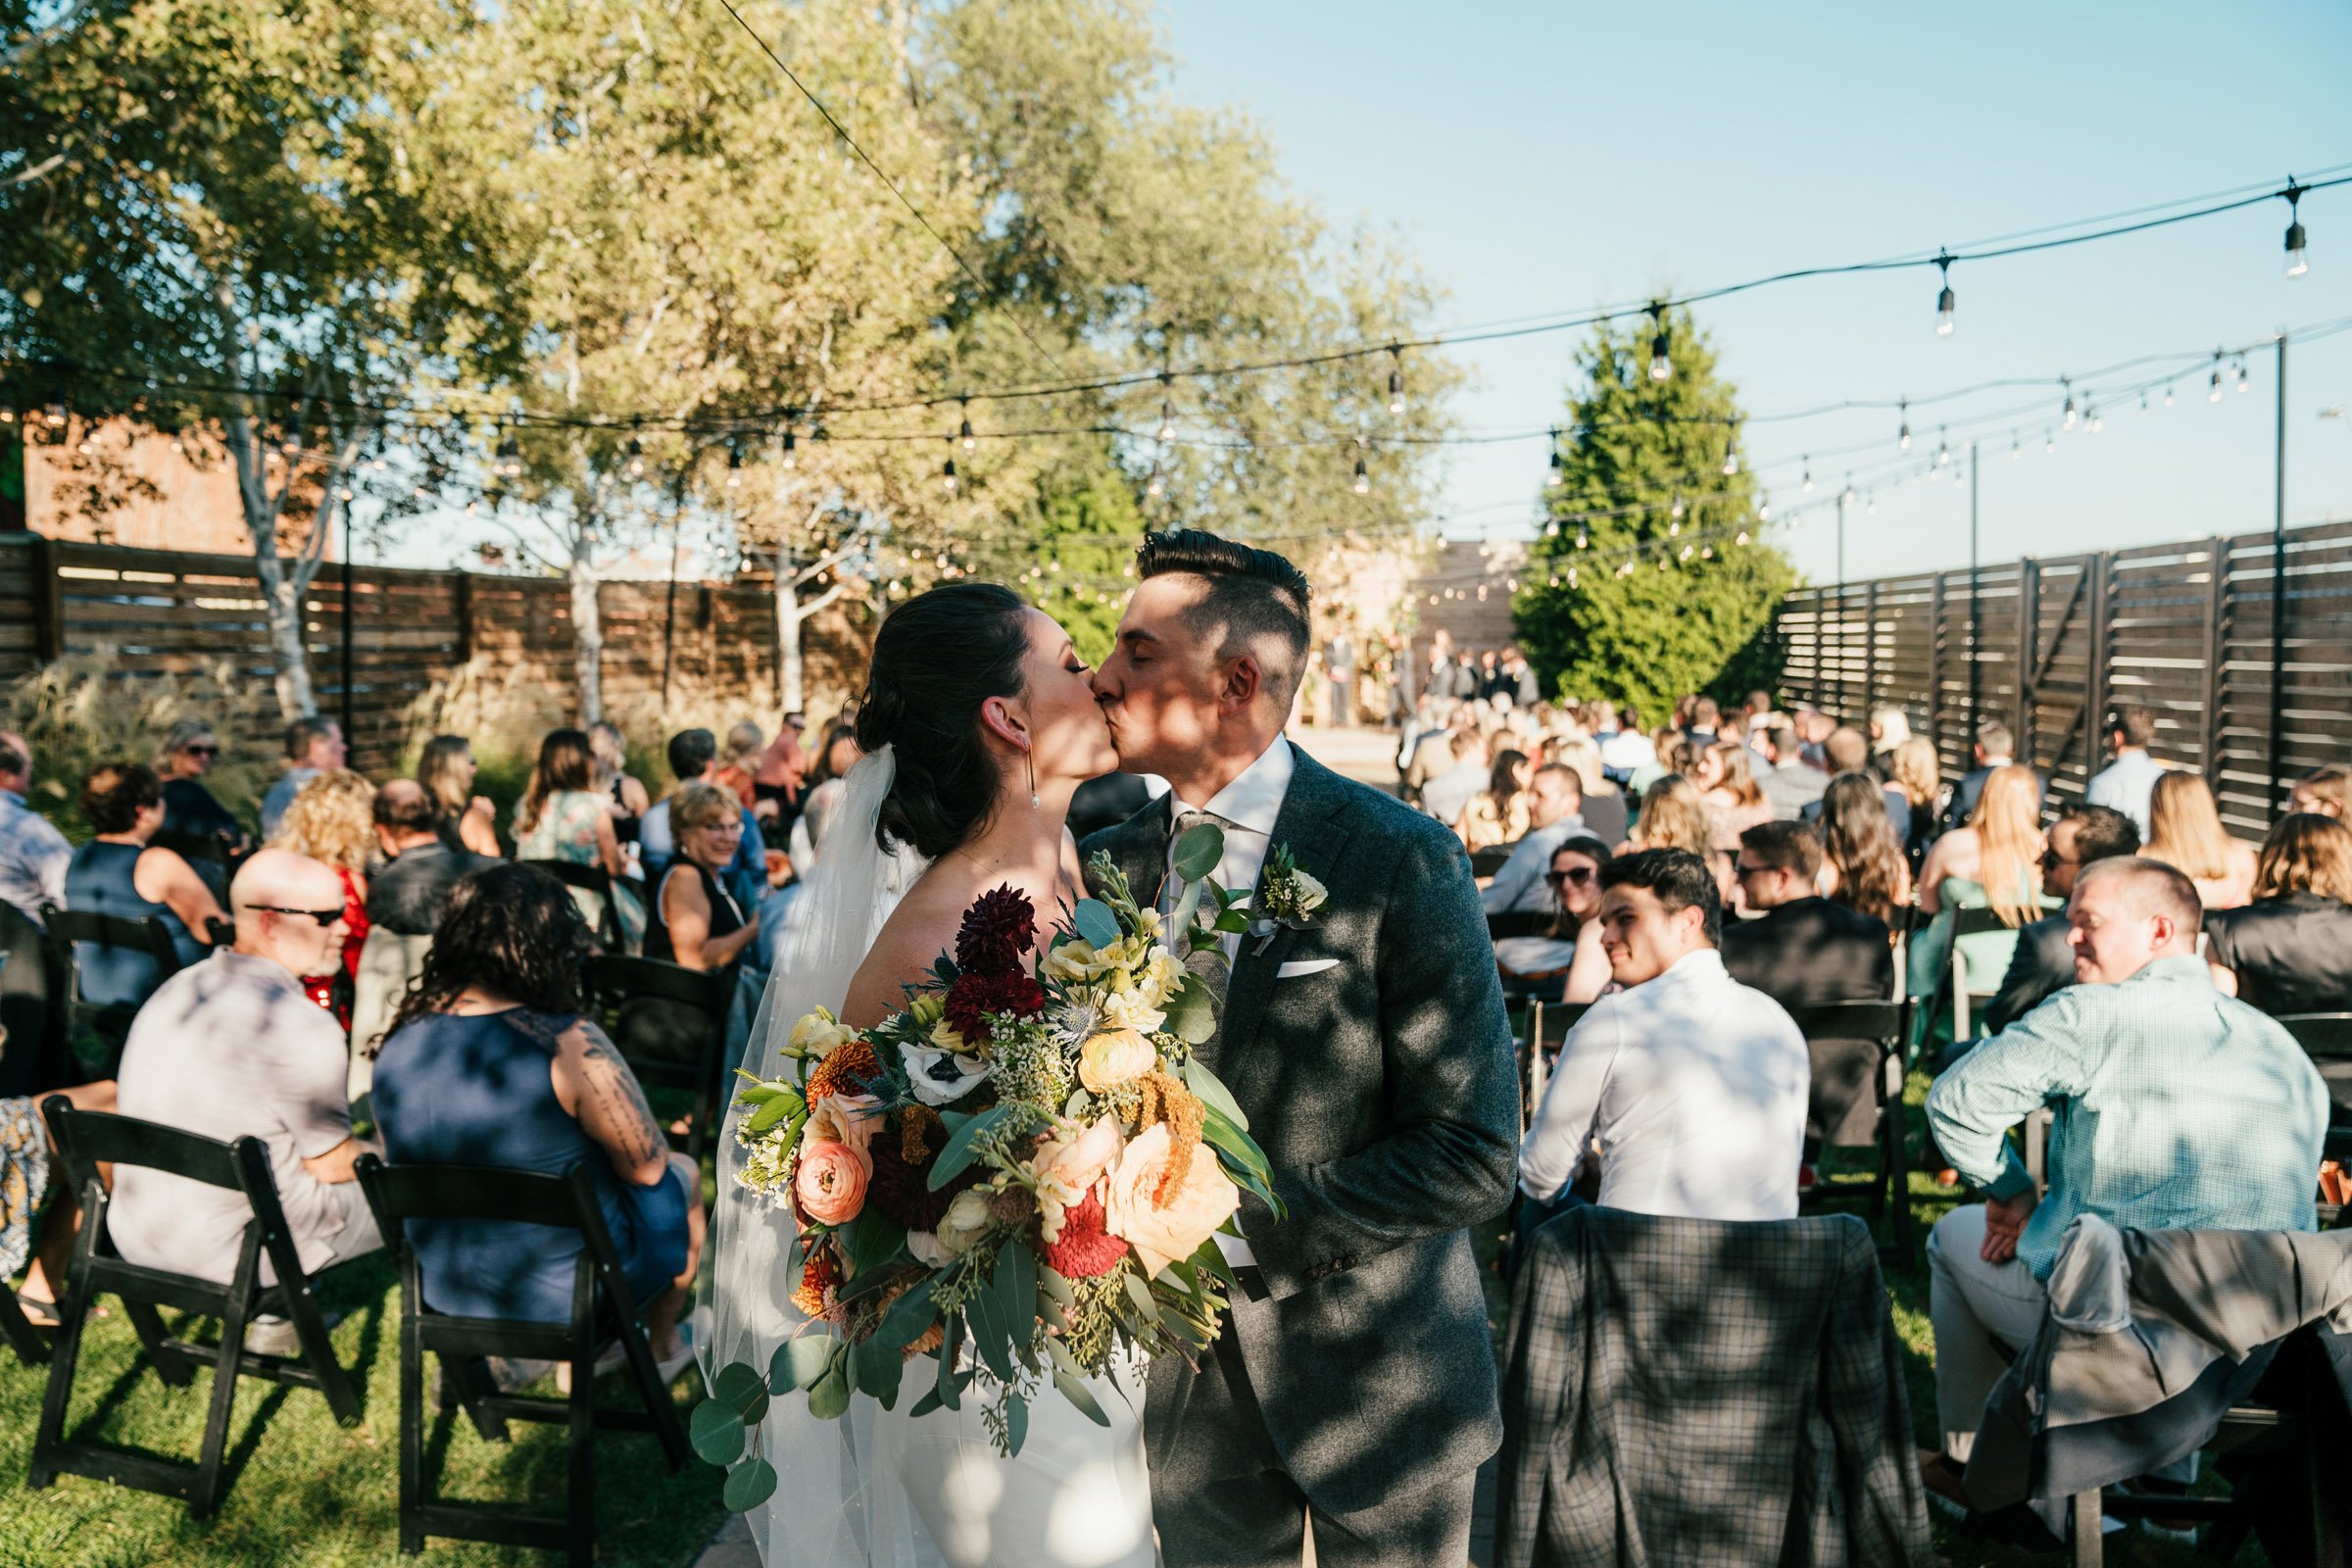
[818, 1034]
[1132, 1010]
[1113, 1057]
[1073, 960]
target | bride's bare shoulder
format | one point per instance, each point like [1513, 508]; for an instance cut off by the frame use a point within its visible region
[922, 929]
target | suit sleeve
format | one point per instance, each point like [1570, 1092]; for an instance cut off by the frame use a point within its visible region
[1452, 1155]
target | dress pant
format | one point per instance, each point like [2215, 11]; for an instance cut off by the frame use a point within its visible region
[1984, 1314]
[1220, 1498]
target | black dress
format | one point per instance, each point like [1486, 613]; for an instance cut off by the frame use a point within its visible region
[675, 1031]
[726, 916]
[625, 820]
[2290, 955]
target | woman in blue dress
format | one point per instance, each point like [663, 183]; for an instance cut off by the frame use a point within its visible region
[119, 872]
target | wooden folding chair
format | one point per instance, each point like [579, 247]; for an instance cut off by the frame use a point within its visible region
[1969, 997]
[1890, 1024]
[1548, 1027]
[617, 983]
[602, 1309]
[590, 879]
[108, 1022]
[84, 1140]
[2327, 1039]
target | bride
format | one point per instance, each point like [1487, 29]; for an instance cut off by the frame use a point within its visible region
[978, 726]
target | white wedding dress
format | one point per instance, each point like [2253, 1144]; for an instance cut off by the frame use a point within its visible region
[878, 1488]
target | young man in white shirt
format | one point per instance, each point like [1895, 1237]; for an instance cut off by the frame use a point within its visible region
[1692, 1084]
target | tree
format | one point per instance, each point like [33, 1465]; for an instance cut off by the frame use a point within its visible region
[240, 215]
[1661, 573]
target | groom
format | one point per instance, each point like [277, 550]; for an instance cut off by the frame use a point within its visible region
[1355, 1382]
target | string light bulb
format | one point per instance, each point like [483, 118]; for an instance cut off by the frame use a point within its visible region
[1731, 457]
[1943, 300]
[636, 458]
[1740, 538]
[1363, 479]
[2213, 392]
[947, 477]
[55, 415]
[1944, 450]
[1661, 367]
[1558, 476]
[963, 432]
[2167, 394]
[1155, 487]
[510, 455]
[1676, 511]
[792, 457]
[2066, 417]
[1763, 511]
[734, 466]
[1582, 540]
[2091, 416]
[2015, 450]
[1808, 484]
[1396, 381]
[2297, 263]
[2245, 383]
[2049, 442]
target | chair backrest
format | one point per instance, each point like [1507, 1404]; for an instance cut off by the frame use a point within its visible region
[1519, 923]
[498, 1193]
[1883, 1021]
[1978, 922]
[88, 1139]
[2323, 1036]
[614, 979]
[148, 936]
[1485, 862]
[191, 847]
[572, 874]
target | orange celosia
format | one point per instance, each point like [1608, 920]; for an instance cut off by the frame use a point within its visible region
[918, 1125]
[1164, 1098]
[817, 1276]
[845, 1070]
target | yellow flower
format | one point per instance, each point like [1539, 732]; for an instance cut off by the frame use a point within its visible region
[927, 1008]
[1073, 960]
[965, 1221]
[1114, 1056]
[818, 1035]
[945, 1037]
[1132, 1010]
[1162, 977]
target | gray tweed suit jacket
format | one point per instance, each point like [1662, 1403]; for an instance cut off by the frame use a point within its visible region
[1383, 1094]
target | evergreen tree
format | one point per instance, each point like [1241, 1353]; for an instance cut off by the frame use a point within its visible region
[1652, 576]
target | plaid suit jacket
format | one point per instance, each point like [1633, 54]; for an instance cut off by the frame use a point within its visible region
[1701, 1393]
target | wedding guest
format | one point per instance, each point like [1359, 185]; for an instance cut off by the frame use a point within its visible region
[694, 922]
[1432, 757]
[2326, 791]
[464, 822]
[2290, 950]
[2126, 783]
[1520, 887]
[1728, 788]
[609, 750]
[561, 817]
[1862, 861]
[1498, 814]
[120, 873]
[783, 769]
[840, 751]
[1992, 749]
[1448, 795]
[34, 854]
[1568, 947]
[332, 820]
[1994, 863]
[1602, 805]
[2185, 833]
[490, 1063]
[1844, 751]
[188, 754]
[2045, 959]
[738, 760]
[1692, 1085]
[1889, 728]
[28, 1170]
[1626, 750]
[314, 746]
[1702, 720]
[1914, 770]
[409, 895]
[694, 758]
[1794, 783]
[1805, 952]
[232, 1047]
[2176, 1108]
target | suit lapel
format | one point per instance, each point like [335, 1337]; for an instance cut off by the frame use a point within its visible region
[1307, 824]
[1139, 847]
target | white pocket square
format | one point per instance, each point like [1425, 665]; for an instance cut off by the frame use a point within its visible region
[1299, 967]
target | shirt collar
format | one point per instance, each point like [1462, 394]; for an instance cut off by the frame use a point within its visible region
[2182, 969]
[1254, 800]
[1698, 964]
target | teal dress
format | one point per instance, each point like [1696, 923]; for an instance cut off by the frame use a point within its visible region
[1985, 954]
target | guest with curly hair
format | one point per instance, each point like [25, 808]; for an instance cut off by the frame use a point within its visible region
[332, 820]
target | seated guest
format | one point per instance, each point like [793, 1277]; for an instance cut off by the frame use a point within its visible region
[1794, 783]
[32, 852]
[1520, 888]
[189, 752]
[1846, 752]
[2185, 833]
[2045, 959]
[1448, 796]
[28, 1170]
[2290, 950]
[1805, 952]
[1726, 780]
[1673, 817]
[490, 1063]
[1602, 804]
[406, 897]
[331, 820]
[2175, 1107]
[561, 817]
[117, 872]
[1566, 934]
[784, 770]
[1993, 747]
[1914, 770]
[1498, 814]
[2325, 791]
[462, 819]
[695, 923]
[1862, 859]
[610, 750]
[1994, 863]
[232, 1047]
[738, 761]
[314, 744]
[2127, 782]
[694, 758]
[1692, 1084]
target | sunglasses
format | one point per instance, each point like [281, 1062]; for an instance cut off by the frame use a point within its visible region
[2051, 860]
[1579, 875]
[324, 917]
[201, 751]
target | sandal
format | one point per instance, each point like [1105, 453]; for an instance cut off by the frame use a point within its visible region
[38, 1310]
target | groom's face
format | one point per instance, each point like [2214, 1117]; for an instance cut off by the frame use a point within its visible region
[1159, 687]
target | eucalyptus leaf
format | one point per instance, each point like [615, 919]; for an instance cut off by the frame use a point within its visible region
[1016, 1291]
[925, 1405]
[1188, 909]
[879, 1238]
[829, 1395]
[1095, 922]
[908, 1317]
[749, 1485]
[991, 1336]
[1076, 1393]
[1193, 1013]
[1063, 1361]
[1141, 1295]
[1054, 1285]
[957, 1154]
[799, 1362]
[1198, 851]
[1017, 1424]
[876, 1369]
[1213, 1093]
[785, 1104]
[716, 1430]
[741, 1390]
[946, 1385]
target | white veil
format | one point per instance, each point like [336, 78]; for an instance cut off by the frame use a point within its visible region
[826, 1510]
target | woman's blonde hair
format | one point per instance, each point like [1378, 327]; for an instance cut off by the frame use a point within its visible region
[1673, 816]
[1917, 773]
[1739, 773]
[331, 819]
[2009, 842]
[2306, 853]
[699, 805]
[744, 745]
[1581, 757]
[2184, 828]
[438, 769]
[608, 750]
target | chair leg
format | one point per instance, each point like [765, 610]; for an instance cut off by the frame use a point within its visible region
[413, 1486]
[73, 1310]
[2090, 1538]
[319, 1350]
[149, 1324]
[205, 1498]
[579, 1501]
[23, 1335]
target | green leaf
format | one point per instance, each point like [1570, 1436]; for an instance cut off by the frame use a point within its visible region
[785, 1104]
[1017, 1424]
[1233, 921]
[1198, 851]
[1213, 1093]
[1058, 1289]
[1193, 1013]
[876, 1368]
[741, 1390]
[879, 1238]
[799, 1362]
[992, 1337]
[1212, 1260]
[829, 1395]
[1096, 923]
[1076, 1393]
[947, 1385]
[957, 1154]
[716, 1430]
[908, 1317]
[1141, 1295]
[1016, 1291]
[749, 1485]
[1188, 909]
[925, 1405]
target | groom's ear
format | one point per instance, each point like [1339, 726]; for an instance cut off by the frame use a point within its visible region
[999, 719]
[1239, 684]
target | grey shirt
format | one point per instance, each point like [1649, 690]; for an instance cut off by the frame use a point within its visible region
[225, 1047]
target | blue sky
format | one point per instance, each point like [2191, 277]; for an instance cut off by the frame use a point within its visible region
[1549, 158]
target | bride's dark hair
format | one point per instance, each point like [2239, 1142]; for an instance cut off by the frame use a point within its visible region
[937, 659]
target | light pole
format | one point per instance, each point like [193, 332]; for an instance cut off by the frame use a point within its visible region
[2278, 581]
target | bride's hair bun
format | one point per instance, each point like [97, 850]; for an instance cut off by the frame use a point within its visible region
[937, 659]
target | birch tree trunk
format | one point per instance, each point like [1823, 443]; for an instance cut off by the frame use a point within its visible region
[788, 640]
[587, 638]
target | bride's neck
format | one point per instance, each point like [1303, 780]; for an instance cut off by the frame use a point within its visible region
[1022, 842]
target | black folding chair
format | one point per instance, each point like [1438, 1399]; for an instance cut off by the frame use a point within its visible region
[106, 1022]
[619, 986]
[206, 854]
[2327, 1039]
[88, 1139]
[1485, 862]
[590, 879]
[1548, 1027]
[1888, 1025]
[602, 1309]
[1969, 994]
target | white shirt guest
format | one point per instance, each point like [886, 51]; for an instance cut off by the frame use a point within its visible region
[1692, 1084]
[2128, 783]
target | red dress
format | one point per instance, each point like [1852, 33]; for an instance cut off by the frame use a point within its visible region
[320, 988]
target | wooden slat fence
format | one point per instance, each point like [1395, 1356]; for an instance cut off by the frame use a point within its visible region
[2048, 646]
[155, 612]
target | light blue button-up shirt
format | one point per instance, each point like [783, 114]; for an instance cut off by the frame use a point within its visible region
[2174, 1105]
[32, 858]
[2128, 785]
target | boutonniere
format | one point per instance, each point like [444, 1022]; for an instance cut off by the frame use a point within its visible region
[1287, 897]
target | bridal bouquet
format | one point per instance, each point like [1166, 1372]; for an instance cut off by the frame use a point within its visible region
[1020, 1172]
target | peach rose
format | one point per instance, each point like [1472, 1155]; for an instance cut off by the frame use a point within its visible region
[1163, 1236]
[1113, 1057]
[1069, 1161]
[831, 1182]
[849, 1120]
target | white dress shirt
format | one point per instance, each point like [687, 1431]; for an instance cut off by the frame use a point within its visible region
[1246, 810]
[2128, 785]
[1695, 1087]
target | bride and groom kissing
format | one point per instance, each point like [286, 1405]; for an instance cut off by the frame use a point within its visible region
[1354, 1383]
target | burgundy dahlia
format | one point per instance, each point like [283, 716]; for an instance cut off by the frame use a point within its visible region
[1013, 995]
[902, 1191]
[997, 930]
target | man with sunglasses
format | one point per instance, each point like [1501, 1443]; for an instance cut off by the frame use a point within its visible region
[231, 1046]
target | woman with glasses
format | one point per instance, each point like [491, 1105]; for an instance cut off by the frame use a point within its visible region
[694, 922]
[189, 807]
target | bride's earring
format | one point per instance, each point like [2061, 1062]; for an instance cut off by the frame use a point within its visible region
[1031, 757]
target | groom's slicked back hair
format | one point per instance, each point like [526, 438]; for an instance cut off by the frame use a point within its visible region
[1254, 598]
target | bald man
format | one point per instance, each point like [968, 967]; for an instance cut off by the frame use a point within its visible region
[2176, 1107]
[230, 1047]
[409, 895]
